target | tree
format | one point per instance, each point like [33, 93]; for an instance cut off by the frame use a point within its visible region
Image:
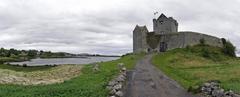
[2, 52]
[223, 41]
[32, 53]
[13, 51]
[228, 48]
[41, 52]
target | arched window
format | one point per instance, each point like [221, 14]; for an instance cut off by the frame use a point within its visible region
[161, 22]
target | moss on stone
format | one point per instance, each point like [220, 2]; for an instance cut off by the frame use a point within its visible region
[153, 40]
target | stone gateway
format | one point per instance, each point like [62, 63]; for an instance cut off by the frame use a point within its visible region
[165, 36]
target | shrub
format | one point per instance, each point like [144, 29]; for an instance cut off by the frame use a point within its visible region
[188, 48]
[223, 41]
[195, 89]
[229, 49]
[202, 41]
[24, 65]
[205, 52]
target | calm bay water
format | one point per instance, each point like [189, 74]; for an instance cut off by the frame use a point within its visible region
[60, 61]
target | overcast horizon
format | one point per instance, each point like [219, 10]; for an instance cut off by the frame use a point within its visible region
[105, 26]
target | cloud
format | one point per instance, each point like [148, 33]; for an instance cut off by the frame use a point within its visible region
[106, 26]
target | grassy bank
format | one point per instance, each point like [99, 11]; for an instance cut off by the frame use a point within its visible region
[24, 69]
[89, 84]
[194, 65]
[38, 75]
[9, 59]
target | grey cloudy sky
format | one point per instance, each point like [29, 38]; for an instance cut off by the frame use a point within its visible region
[105, 26]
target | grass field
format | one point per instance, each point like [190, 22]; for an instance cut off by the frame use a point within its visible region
[88, 84]
[37, 75]
[24, 69]
[191, 66]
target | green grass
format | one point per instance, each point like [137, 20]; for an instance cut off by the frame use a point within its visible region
[88, 84]
[190, 67]
[8, 59]
[24, 69]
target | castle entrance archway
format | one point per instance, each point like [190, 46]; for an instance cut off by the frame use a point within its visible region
[163, 46]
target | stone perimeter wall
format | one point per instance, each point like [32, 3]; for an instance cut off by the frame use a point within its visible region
[173, 40]
[182, 39]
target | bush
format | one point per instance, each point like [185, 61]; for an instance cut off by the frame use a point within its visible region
[228, 48]
[202, 41]
[205, 53]
[24, 65]
[195, 89]
[188, 48]
[223, 41]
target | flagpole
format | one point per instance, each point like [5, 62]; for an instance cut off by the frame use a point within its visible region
[155, 14]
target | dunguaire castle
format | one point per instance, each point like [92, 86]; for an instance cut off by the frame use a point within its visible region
[165, 36]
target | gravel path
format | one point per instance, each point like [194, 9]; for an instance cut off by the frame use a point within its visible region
[147, 81]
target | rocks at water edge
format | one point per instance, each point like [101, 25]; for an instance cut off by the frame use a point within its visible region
[115, 86]
[213, 89]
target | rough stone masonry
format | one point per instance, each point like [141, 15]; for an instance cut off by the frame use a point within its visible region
[165, 36]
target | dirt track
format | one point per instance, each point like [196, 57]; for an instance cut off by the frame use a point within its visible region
[147, 81]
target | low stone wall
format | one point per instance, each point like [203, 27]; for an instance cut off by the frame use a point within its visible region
[213, 89]
[115, 86]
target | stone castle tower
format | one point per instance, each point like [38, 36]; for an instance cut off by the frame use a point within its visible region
[161, 25]
[164, 25]
[139, 38]
[165, 36]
